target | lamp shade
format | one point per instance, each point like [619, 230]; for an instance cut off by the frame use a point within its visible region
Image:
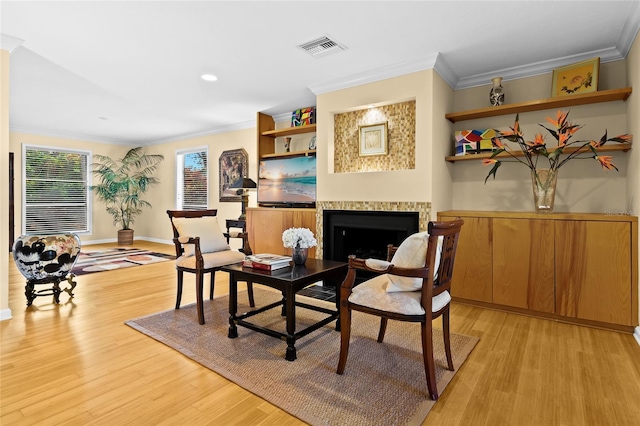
[244, 183]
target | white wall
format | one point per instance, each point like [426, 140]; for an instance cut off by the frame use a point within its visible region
[5, 312]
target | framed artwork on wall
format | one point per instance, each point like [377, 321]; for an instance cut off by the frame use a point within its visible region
[233, 166]
[373, 139]
[573, 79]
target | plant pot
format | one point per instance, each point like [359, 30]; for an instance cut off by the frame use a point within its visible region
[125, 237]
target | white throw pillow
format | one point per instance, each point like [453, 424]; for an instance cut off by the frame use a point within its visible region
[211, 237]
[412, 253]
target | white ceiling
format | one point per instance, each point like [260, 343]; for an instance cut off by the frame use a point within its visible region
[138, 63]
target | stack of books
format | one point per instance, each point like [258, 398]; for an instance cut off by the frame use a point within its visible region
[266, 261]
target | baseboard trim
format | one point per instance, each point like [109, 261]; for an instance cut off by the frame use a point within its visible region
[5, 314]
[636, 334]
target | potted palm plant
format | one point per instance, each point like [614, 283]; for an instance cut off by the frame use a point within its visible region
[121, 185]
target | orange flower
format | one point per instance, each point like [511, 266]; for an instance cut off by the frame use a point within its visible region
[538, 141]
[497, 142]
[515, 130]
[488, 161]
[562, 139]
[595, 144]
[605, 162]
[561, 116]
[625, 137]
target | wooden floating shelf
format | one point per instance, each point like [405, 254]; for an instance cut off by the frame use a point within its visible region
[309, 128]
[551, 103]
[470, 157]
[290, 154]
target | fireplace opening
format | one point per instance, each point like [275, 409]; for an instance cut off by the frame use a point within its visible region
[365, 234]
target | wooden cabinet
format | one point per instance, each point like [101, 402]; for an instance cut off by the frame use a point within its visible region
[266, 225]
[580, 268]
[593, 270]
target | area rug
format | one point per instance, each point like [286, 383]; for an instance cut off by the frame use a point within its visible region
[115, 258]
[383, 384]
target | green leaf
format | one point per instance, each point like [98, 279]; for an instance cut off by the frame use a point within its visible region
[493, 171]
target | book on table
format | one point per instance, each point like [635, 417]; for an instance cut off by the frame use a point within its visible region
[267, 261]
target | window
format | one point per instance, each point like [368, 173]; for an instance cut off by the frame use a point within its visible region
[54, 190]
[192, 180]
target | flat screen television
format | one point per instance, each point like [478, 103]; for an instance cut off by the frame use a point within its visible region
[287, 182]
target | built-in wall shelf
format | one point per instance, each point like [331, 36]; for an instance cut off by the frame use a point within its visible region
[612, 146]
[288, 131]
[290, 154]
[542, 104]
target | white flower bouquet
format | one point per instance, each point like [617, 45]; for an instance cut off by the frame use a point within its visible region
[299, 237]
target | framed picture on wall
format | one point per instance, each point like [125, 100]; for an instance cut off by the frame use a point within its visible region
[373, 139]
[573, 79]
[233, 166]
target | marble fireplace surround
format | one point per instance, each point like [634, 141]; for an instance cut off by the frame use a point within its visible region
[423, 209]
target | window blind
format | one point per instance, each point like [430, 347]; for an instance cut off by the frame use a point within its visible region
[192, 180]
[54, 191]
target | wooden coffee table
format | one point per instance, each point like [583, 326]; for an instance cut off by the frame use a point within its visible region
[289, 281]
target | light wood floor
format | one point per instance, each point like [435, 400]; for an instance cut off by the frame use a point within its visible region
[78, 364]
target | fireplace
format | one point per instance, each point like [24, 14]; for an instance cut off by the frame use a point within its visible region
[365, 234]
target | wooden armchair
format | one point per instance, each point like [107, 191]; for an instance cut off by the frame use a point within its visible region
[201, 248]
[413, 285]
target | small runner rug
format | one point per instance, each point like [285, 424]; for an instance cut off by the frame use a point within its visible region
[115, 258]
[383, 384]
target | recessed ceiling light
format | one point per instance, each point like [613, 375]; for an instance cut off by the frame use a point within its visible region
[208, 77]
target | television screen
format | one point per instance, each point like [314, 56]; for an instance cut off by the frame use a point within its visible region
[287, 182]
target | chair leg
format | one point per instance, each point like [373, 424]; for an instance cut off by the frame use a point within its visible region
[447, 339]
[252, 302]
[213, 284]
[199, 301]
[179, 297]
[427, 355]
[383, 329]
[345, 335]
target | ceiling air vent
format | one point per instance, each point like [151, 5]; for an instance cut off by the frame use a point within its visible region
[321, 47]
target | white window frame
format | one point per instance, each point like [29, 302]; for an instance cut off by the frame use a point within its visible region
[180, 174]
[89, 159]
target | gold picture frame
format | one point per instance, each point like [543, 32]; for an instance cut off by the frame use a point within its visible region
[373, 139]
[574, 79]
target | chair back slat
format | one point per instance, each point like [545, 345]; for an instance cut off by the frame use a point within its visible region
[449, 231]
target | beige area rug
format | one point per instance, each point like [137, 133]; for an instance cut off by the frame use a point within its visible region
[383, 384]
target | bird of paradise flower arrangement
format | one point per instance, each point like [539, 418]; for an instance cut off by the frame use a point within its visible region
[543, 179]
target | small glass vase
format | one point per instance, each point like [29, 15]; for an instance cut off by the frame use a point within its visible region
[544, 189]
[496, 94]
[300, 255]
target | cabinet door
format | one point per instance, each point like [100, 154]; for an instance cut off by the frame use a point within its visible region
[523, 263]
[593, 270]
[265, 227]
[472, 274]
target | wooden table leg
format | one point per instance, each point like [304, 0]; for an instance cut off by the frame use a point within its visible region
[233, 305]
[291, 324]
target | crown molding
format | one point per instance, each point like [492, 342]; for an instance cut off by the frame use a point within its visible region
[9, 43]
[630, 29]
[536, 68]
[378, 74]
[224, 129]
[64, 135]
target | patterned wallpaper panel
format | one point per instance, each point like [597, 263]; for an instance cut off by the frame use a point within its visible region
[401, 122]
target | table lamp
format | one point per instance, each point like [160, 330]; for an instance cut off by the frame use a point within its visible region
[243, 185]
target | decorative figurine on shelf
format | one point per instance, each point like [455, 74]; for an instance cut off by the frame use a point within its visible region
[287, 144]
[312, 143]
[496, 95]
